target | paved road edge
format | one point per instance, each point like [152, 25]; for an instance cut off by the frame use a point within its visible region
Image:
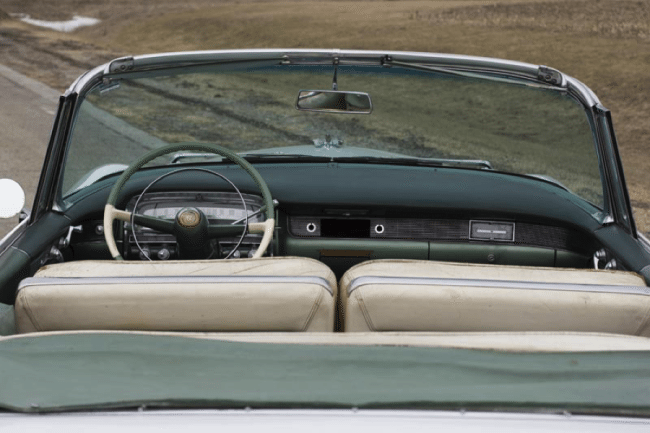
[30, 84]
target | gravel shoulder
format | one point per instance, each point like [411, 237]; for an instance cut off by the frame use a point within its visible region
[26, 127]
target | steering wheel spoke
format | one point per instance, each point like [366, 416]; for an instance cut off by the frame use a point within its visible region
[154, 223]
[121, 215]
[225, 230]
[261, 228]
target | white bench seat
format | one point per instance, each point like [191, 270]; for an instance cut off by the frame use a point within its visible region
[267, 294]
[409, 295]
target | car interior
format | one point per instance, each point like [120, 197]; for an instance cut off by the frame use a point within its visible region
[355, 248]
[492, 218]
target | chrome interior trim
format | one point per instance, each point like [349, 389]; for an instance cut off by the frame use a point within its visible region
[498, 284]
[207, 279]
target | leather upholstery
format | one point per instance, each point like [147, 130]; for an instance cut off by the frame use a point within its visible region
[408, 295]
[266, 294]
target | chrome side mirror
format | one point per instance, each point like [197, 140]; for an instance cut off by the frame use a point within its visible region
[12, 198]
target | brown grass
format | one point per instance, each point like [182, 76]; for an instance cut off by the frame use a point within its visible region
[604, 43]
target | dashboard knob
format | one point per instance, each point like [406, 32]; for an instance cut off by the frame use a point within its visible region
[145, 254]
[163, 254]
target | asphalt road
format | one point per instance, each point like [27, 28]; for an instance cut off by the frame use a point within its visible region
[27, 110]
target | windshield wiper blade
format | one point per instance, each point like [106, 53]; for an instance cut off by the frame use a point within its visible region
[525, 81]
[425, 162]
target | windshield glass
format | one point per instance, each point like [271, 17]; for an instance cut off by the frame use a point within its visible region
[519, 129]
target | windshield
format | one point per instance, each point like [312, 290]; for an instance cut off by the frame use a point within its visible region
[515, 128]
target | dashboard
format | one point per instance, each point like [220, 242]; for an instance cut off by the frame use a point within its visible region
[343, 237]
[344, 214]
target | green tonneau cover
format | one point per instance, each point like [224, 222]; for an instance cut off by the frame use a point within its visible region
[106, 370]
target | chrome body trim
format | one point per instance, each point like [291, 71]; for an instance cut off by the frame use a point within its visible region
[325, 56]
[250, 420]
[199, 279]
[497, 284]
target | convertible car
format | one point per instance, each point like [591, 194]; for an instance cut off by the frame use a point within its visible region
[326, 239]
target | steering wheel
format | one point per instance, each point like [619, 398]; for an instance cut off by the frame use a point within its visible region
[190, 225]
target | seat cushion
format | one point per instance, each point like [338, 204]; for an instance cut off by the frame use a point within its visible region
[408, 295]
[267, 294]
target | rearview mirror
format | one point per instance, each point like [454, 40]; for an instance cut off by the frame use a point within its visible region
[334, 101]
[12, 198]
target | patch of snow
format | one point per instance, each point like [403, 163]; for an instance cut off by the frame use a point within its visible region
[60, 26]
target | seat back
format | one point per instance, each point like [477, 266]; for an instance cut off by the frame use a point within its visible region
[405, 295]
[267, 294]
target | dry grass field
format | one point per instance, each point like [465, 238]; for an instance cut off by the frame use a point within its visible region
[604, 43]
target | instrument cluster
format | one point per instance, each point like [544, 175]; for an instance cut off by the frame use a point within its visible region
[219, 207]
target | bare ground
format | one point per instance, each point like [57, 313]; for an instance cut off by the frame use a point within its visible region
[604, 43]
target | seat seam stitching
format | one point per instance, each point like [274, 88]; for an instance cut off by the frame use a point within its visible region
[644, 322]
[364, 311]
[314, 308]
[32, 318]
